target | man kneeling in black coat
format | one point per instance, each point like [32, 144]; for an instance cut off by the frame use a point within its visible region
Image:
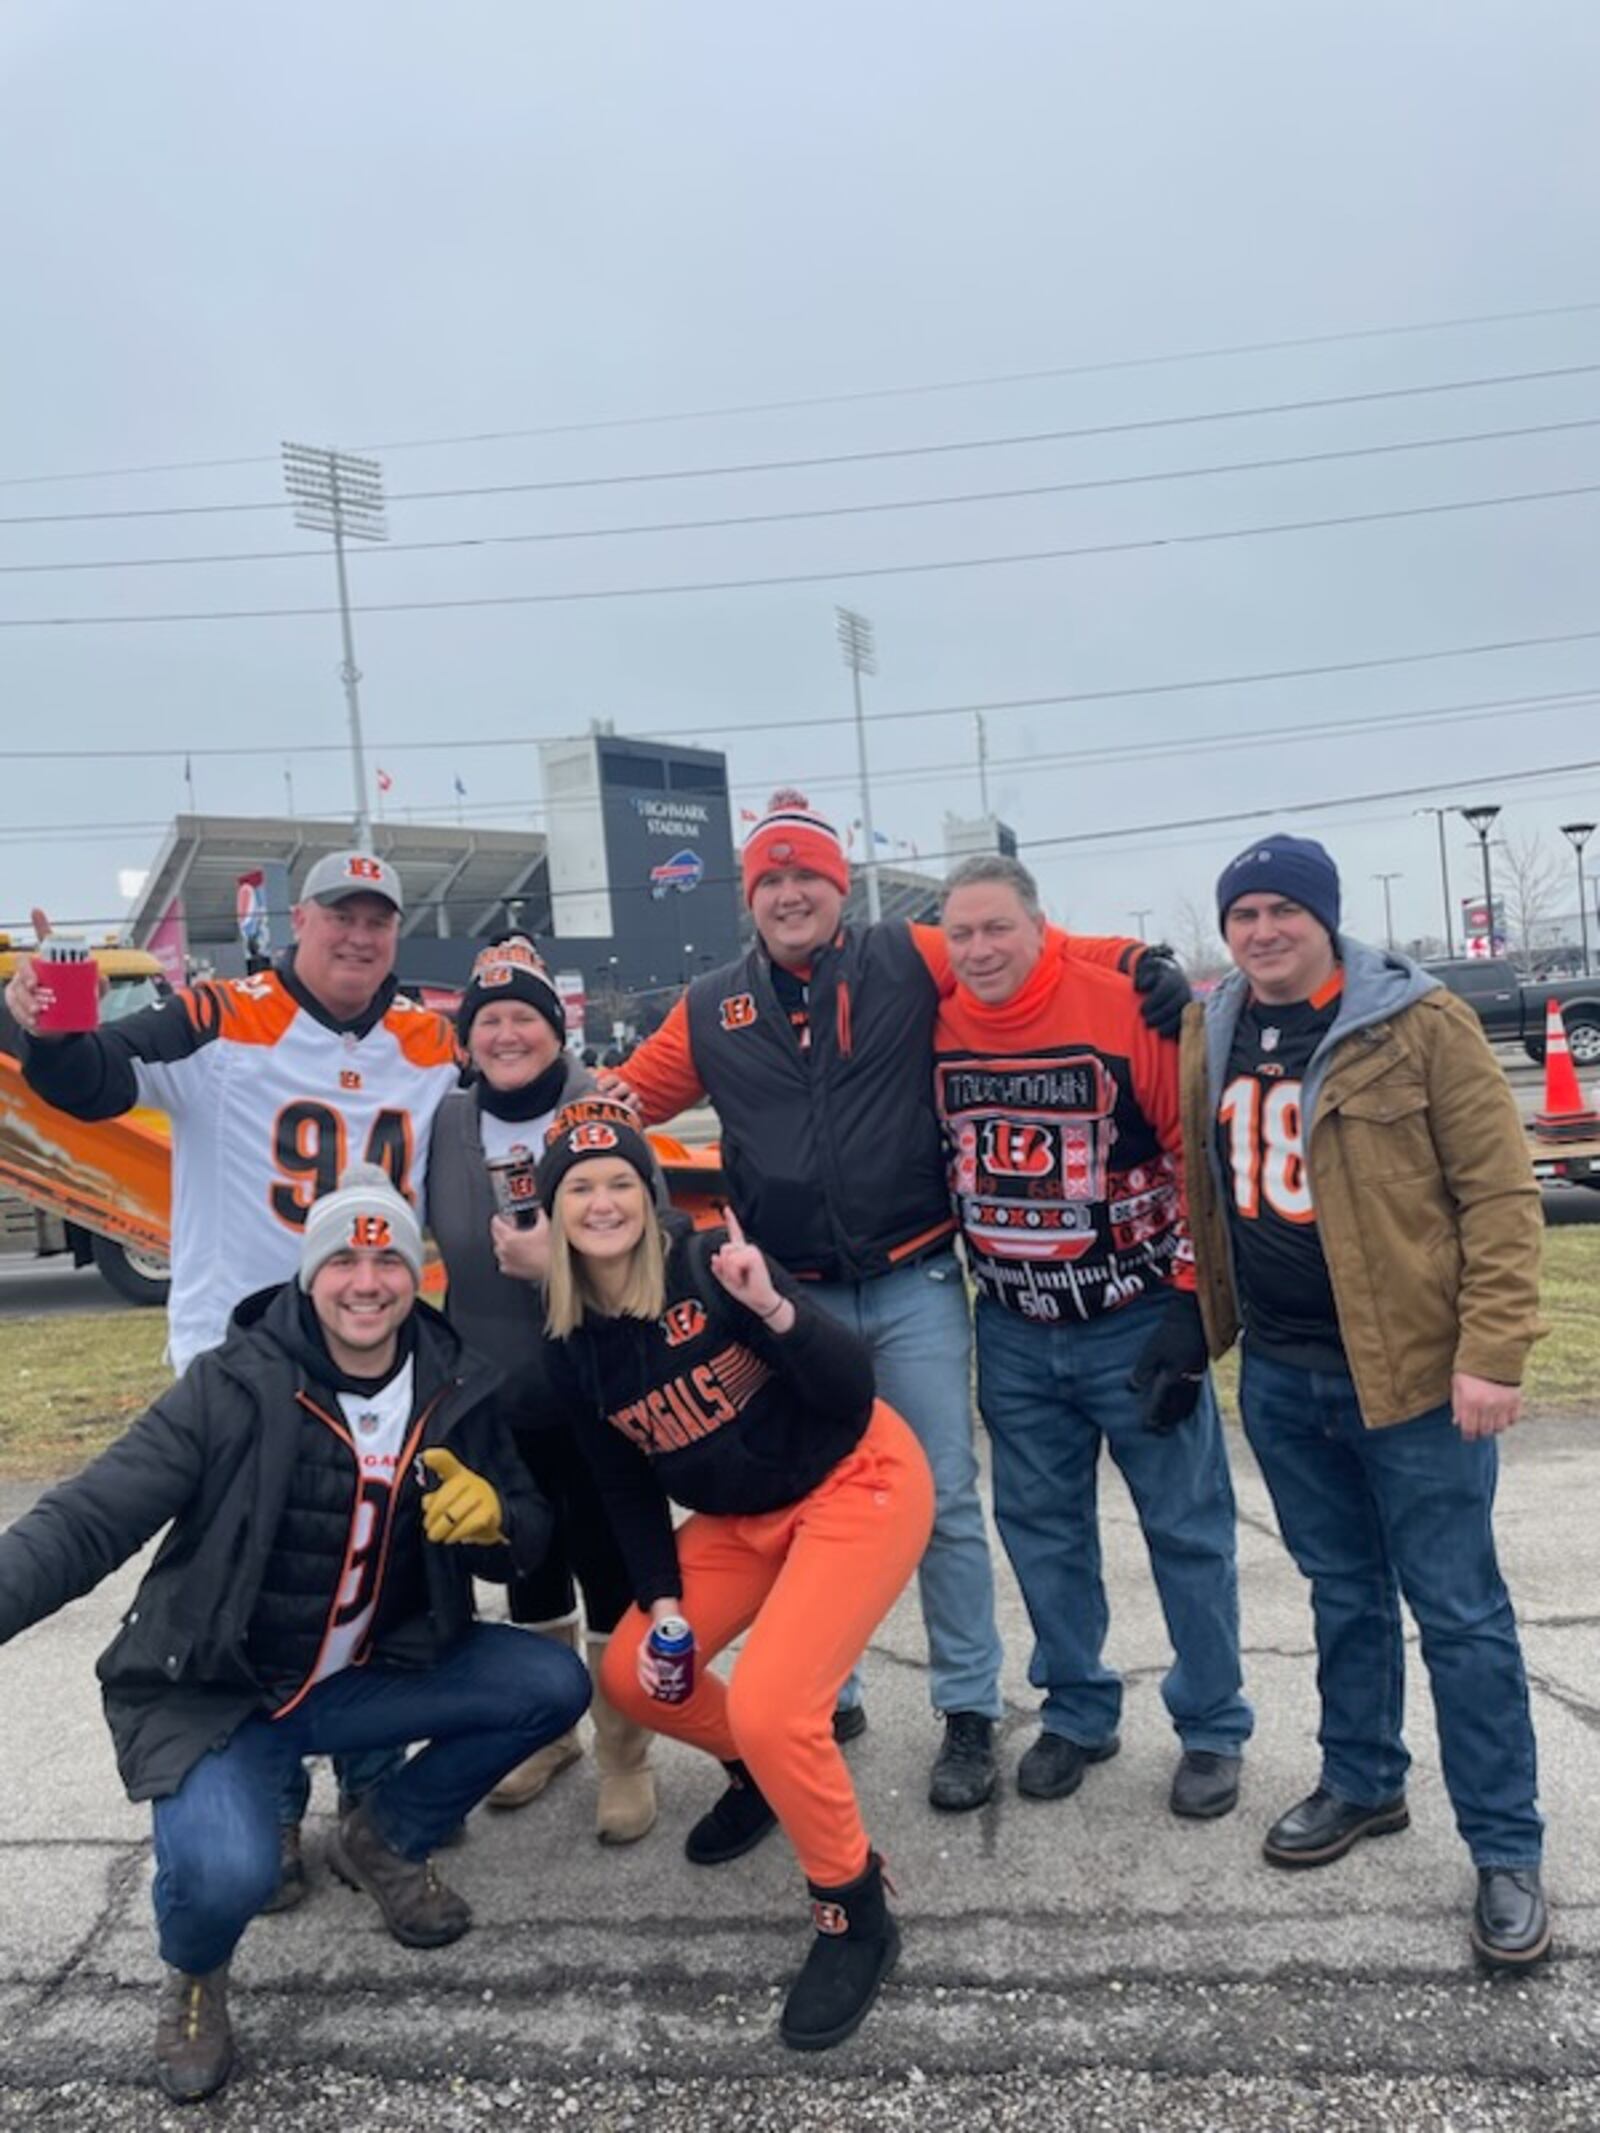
[335, 1479]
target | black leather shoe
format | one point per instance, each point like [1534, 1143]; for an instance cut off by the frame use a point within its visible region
[849, 1722]
[1054, 1765]
[1320, 1829]
[964, 1770]
[1510, 1922]
[1205, 1785]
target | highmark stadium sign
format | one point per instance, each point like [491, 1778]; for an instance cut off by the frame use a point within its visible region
[672, 818]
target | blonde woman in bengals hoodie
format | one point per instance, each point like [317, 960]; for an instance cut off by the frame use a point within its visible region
[695, 1372]
[1060, 1113]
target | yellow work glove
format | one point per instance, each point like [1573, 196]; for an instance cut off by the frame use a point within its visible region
[464, 1507]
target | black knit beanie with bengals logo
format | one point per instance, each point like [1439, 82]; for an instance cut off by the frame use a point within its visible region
[591, 1127]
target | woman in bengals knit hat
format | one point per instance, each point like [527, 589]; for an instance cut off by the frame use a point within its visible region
[513, 1029]
[697, 1373]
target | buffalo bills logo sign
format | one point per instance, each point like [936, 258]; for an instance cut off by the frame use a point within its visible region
[1017, 1150]
[738, 1012]
[683, 1322]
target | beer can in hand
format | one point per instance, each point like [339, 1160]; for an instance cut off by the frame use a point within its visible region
[69, 980]
[514, 1181]
[672, 1649]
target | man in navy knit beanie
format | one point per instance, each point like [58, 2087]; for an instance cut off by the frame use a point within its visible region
[1362, 1207]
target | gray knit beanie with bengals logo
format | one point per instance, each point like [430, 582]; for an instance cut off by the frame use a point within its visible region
[365, 1214]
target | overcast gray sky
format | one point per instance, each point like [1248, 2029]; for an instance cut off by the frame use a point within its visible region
[372, 223]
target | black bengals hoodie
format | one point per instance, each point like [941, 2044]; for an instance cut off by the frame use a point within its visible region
[705, 1407]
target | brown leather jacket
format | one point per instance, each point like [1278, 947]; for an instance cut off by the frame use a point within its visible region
[1418, 1163]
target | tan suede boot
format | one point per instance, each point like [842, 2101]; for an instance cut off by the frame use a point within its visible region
[531, 1776]
[627, 1808]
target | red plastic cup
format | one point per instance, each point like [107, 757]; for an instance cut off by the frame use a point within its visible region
[69, 984]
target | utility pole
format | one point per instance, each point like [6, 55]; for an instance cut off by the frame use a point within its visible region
[861, 657]
[1388, 907]
[339, 494]
[1438, 814]
[983, 766]
[1139, 918]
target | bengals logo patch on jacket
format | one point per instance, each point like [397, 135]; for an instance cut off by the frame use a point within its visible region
[684, 1321]
[738, 1011]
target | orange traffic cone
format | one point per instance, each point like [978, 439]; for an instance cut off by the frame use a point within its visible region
[1566, 1116]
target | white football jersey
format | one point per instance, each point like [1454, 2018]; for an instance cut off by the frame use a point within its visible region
[269, 1103]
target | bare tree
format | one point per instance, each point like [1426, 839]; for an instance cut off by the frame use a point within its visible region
[1199, 943]
[1528, 885]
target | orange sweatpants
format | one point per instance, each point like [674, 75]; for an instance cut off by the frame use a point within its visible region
[810, 1583]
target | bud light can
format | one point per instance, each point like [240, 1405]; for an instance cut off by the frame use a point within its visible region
[514, 1181]
[672, 1649]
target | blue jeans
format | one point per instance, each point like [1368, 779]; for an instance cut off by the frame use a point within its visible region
[1050, 1395]
[1369, 1514]
[499, 1695]
[915, 1321]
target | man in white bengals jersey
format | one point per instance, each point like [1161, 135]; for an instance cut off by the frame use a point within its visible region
[273, 1083]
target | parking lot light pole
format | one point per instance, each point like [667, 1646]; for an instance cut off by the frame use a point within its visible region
[1439, 814]
[1577, 835]
[1388, 907]
[860, 652]
[1483, 820]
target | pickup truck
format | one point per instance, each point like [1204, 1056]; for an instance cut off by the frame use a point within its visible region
[1513, 1011]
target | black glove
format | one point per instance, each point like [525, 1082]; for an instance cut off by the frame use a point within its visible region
[1163, 990]
[1172, 1366]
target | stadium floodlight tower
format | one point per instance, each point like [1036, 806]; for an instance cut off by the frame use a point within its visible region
[338, 494]
[861, 657]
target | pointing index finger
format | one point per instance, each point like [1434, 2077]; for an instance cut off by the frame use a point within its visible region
[731, 1223]
[41, 925]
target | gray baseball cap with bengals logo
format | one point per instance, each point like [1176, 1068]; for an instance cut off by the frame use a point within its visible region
[345, 874]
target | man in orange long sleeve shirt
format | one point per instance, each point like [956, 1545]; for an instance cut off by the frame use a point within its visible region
[1060, 1112]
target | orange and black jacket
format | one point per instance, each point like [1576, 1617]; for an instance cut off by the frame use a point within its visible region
[832, 1156]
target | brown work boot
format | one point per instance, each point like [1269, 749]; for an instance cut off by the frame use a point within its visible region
[627, 1806]
[534, 1773]
[194, 2042]
[420, 1910]
[293, 1887]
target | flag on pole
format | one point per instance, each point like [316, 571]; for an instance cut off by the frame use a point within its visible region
[461, 790]
[748, 814]
[385, 782]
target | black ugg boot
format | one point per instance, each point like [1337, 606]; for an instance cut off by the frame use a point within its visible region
[736, 1825]
[854, 1951]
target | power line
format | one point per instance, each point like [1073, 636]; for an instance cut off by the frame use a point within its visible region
[827, 511]
[875, 455]
[1183, 685]
[835, 576]
[1498, 708]
[1097, 367]
[1141, 832]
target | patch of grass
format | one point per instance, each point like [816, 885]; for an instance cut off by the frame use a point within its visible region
[1564, 1374]
[1564, 1370]
[73, 1384]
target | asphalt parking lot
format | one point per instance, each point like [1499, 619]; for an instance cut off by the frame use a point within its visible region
[1090, 1962]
